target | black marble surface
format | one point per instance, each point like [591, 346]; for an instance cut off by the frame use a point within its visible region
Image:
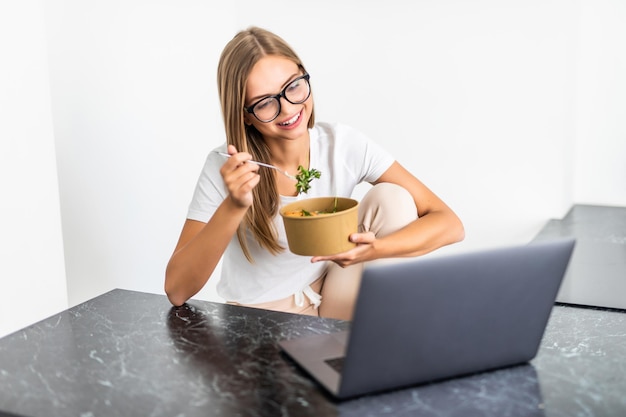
[128, 353]
[596, 275]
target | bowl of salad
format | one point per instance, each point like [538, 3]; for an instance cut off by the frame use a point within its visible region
[321, 225]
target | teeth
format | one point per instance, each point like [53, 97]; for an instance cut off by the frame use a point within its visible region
[292, 120]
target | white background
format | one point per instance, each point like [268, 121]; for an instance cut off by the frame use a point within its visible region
[510, 110]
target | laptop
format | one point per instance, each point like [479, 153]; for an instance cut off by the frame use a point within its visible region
[437, 318]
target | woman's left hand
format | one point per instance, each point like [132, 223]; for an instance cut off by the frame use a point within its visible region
[361, 253]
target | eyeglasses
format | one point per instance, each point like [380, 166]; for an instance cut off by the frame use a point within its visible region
[268, 108]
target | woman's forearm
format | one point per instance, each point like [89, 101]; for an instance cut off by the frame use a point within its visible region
[424, 235]
[199, 250]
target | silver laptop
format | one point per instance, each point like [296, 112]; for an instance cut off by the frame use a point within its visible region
[436, 318]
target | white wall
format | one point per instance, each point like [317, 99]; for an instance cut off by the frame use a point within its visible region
[600, 159]
[499, 106]
[133, 110]
[32, 273]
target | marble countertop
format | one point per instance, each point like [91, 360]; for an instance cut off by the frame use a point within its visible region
[128, 353]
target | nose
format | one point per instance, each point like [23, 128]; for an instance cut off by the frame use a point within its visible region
[284, 103]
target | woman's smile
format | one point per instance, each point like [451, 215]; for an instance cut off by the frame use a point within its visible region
[292, 122]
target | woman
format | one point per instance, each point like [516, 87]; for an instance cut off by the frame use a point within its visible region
[267, 107]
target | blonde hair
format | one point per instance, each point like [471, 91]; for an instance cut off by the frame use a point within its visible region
[237, 60]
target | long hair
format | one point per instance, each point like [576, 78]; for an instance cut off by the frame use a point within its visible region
[237, 60]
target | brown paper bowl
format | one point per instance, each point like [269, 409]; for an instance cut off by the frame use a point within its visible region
[324, 234]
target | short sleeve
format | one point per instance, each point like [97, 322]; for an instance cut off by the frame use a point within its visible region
[210, 190]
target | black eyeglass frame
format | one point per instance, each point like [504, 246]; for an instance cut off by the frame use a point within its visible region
[282, 94]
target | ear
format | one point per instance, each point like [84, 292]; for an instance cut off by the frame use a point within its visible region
[247, 120]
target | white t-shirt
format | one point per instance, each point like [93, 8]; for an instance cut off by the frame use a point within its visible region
[344, 157]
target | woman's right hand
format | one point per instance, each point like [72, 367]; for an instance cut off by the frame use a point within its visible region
[240, 178]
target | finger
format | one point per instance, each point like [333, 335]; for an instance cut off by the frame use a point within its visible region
[339, 258]
[367, 237]
[236, 158]
[249, 181]
[236, 167]
[240, 178]
[332, 258]
[241, 190]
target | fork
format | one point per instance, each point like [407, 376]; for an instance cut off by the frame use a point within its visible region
[285, 173]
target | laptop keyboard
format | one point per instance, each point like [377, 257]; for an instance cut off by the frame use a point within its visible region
[336, 363]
